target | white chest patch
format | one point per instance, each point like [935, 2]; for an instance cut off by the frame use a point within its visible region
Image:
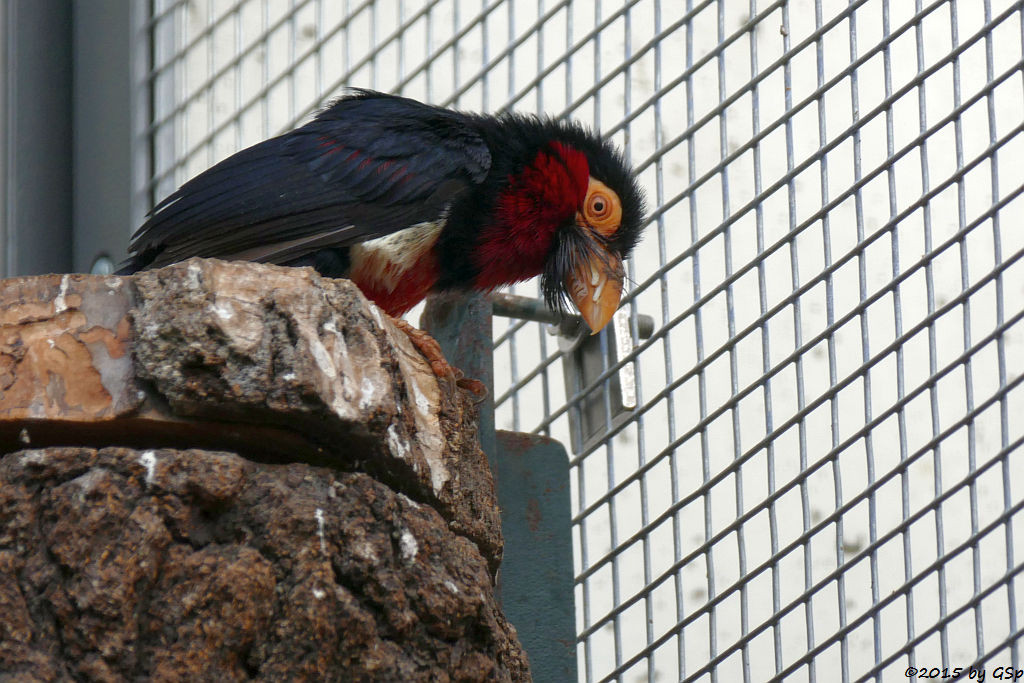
[386, 259]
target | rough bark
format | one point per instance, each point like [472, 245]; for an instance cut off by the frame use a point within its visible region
[351, 533]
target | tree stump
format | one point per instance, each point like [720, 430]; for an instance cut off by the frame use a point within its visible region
[237, 471]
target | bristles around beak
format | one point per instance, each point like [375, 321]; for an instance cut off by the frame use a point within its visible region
[595, 287]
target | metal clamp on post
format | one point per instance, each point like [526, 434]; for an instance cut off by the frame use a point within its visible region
[597, 409]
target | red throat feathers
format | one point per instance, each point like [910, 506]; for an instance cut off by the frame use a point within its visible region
[539, 200]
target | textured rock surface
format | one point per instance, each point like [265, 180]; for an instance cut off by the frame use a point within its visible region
[276, 363]
[64, 350]
[120, 564]
[355, 536]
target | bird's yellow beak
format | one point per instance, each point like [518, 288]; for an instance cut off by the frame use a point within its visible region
[596, 287]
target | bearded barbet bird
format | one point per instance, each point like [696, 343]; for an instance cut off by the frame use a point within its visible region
[406, 199]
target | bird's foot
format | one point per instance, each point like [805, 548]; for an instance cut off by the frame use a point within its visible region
[473, 386]
[431, 351]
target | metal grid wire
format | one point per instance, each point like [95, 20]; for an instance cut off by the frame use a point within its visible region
[817, 483]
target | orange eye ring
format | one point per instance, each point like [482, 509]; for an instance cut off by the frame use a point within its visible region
[599, 206]
[602, 209]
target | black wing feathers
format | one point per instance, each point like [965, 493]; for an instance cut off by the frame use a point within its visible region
[368, 165]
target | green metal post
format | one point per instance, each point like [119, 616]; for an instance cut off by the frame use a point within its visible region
[532, 476]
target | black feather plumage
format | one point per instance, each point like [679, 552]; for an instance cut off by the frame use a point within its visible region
[367, 165]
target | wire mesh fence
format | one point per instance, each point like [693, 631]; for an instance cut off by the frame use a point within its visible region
[816, 480]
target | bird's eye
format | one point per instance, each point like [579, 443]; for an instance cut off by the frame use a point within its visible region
[602, 210]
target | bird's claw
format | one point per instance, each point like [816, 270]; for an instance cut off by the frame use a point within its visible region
[473, 386]
[439, 365]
